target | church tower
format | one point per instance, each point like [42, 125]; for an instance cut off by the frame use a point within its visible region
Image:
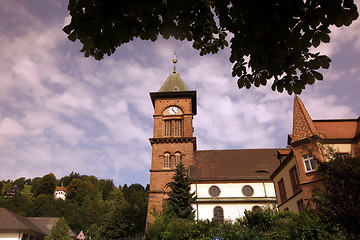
[173, 141]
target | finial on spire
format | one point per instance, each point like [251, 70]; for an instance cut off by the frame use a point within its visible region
[174, 61]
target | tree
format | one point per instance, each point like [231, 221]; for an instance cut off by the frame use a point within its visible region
[20, 182]
[340, 201]
[106, 186]
[179, 202]
[269, 40]
[46, 185]
[60, 231]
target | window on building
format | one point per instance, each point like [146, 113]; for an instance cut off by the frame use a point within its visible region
[25, 237]
[309, 162]
[177, 158]
[300, 205]
[294, 179]
[167, 160]
[218, 214]
[248, 191]
[282, 191]
[173, 128]
[167, 128]
[178, 128]
[214, 191]
[256, 208]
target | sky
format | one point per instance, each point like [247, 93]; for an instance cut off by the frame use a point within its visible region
[61, 112]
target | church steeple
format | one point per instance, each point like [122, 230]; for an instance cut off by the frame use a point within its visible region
[303, 126]
[173, 141]
[174, 82]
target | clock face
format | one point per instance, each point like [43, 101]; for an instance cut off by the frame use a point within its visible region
[173, 110]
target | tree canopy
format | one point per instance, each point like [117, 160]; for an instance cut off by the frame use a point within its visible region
[340, 201]
[269, 40]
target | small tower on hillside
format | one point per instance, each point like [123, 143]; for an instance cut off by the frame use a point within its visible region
[173, 141]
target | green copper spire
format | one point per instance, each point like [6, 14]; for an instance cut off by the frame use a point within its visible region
[173, 83]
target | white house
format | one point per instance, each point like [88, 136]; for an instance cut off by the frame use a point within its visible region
[60, 193]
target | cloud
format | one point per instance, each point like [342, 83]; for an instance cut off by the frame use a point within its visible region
[61, 112]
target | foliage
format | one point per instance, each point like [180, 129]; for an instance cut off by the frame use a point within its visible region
[340, 201]
[266, 224]
[20, 183]
[94, 205]
[60, 231]
[180, 198]
[46, 185]
[269, 40]
[1, 187]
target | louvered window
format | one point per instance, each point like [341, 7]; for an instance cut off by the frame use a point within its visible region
[178, 128]
[167, 128]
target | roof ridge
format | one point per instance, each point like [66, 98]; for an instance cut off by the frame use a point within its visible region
[23, 222]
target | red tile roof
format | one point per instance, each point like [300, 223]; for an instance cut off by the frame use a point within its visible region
[303, 126]
[60, 189]
[337, 128]
[244, 164]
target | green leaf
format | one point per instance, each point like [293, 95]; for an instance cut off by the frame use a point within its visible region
[316, 40]
[72, 37]
[307, 77]
[317, 75]
[324, 61]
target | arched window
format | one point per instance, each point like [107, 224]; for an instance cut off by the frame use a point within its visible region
[167, 160]
[177, 158]
[173, 121]
[218, 214]
[256, 208]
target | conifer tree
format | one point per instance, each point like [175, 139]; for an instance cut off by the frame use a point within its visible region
[60, 231]
[180, 197]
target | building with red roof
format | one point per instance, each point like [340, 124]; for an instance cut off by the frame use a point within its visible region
[296, 176]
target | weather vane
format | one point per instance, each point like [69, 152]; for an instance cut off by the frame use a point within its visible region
[174, 61]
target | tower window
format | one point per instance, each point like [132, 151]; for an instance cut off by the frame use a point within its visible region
[173, 128]
[177, 158]
[167, 160]
[167, 128]
[309, 162]
[218, 214]
[178, 128]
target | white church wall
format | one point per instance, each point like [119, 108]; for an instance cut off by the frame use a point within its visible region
[231, 198]
[232, 211]
[229, 190]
